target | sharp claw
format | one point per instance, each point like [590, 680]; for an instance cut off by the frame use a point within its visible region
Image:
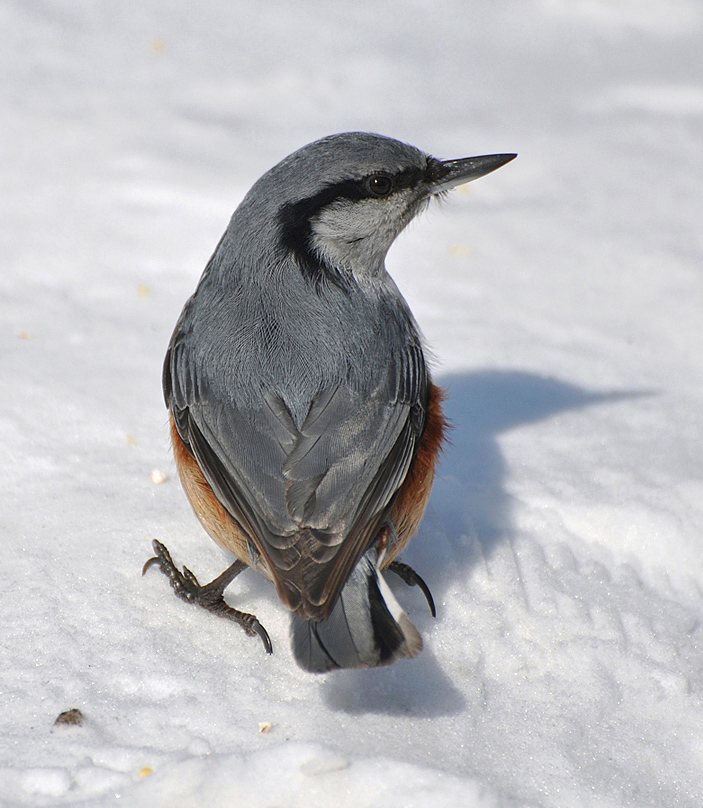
[428, 595]
[411, 578]
[265, 639]
[162, 556]
[150, 563]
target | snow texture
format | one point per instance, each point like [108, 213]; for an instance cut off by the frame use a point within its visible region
[563, 299]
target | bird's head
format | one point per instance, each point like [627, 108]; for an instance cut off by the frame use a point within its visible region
[340, 202]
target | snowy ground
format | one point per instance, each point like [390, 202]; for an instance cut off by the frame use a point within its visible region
[563, 299]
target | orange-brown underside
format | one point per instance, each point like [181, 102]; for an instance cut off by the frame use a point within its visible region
[210, 511]
[414, 494]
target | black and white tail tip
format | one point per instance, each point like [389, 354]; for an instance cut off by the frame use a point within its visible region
[367, 627]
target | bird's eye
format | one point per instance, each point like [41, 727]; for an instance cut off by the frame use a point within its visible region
[380, 185]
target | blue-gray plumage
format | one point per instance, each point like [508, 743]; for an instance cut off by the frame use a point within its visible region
[305, 422]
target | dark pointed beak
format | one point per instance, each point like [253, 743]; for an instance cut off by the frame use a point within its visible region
[447, 174]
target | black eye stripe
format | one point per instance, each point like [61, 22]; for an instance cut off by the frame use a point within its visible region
[351, 189]
[294, 218]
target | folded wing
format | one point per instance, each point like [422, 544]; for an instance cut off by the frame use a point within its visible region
[312, 496]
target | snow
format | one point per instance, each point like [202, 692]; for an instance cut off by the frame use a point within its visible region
[562, 298]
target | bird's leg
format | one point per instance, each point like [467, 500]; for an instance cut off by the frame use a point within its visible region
[411, 578]
[210, 596]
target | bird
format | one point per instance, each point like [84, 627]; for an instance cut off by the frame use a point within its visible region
[305, 423]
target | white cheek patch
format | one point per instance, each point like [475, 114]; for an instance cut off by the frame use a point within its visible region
[356, 233]
[347, 220]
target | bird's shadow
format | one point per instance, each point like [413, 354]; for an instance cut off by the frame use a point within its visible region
[469, 505]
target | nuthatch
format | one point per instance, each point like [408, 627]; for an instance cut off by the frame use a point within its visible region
[304, 420]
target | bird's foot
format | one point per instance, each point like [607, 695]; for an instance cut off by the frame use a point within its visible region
[209, 596]
[411, 578]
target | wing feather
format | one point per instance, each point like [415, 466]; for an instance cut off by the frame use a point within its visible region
[312, 497]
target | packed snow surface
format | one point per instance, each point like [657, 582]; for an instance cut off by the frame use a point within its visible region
[562, 299]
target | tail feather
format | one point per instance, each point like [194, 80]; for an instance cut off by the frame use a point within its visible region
[366, 628]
